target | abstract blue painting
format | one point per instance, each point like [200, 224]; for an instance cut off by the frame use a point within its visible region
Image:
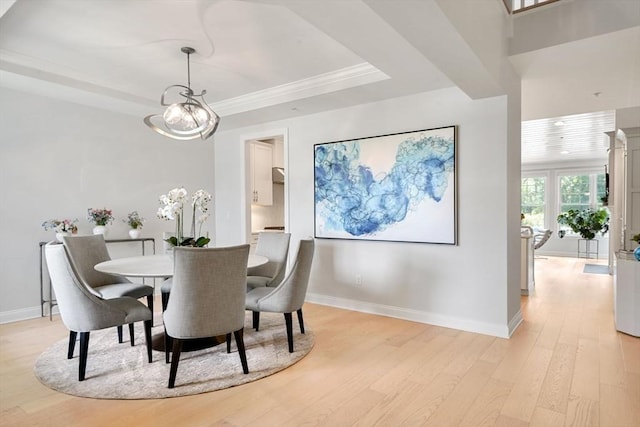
[399, 187]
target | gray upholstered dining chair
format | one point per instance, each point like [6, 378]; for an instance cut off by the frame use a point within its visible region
[87, 251]
[274, 246]
[82, 311]
[288, 296]
[540, 238]
[207, 299]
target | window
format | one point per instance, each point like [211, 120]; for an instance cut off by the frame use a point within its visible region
[533, 198]
[581, 191]
[522, 5]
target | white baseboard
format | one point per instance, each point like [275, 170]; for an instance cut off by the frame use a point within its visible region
[22, 314]
[496, 330]
[572, 254]
[515, 322]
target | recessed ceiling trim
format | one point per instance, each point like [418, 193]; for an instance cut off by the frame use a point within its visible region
[333, 81]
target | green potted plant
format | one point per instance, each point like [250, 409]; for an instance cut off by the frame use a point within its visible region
[585, 222]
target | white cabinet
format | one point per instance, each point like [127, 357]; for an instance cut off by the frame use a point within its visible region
[253, 243]
[626, 295]
[278, 154]
[527, 280]
[261, 178]
[624, 197]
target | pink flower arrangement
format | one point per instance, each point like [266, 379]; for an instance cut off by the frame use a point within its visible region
[102, 216]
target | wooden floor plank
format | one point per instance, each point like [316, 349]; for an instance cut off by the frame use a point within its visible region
[543, 417]
[454, 408]
[630, 353]
[586, 373]
[582, 412]
[524, 395]
[617, 408]
[557, 383]
[486, 408]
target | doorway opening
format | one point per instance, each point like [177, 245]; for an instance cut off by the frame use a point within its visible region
[266, 184]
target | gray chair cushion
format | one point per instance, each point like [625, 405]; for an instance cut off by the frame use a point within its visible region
[133, 290]
[251, 300]
[274, 246]
[257, 282]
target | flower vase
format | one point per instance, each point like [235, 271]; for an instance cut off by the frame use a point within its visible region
[636, 253]
[134, 233]
[100, 229]
[61, 234]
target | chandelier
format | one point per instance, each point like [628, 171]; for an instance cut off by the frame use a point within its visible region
[189, 119]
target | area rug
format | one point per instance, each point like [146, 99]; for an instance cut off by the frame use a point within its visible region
[119, 371]
[596, 269]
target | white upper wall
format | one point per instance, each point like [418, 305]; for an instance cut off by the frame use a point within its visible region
[628, 117]
[59, 159]
[577, 56]
[568, 21]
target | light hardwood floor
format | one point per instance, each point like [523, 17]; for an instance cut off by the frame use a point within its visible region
[565, 365]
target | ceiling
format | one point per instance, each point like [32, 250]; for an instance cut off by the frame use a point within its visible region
[575, 138]
[265, 60]
[258, 60]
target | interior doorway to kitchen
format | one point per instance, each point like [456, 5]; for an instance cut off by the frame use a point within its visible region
[267, 201]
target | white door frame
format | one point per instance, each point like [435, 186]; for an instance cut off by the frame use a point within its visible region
[246, 139]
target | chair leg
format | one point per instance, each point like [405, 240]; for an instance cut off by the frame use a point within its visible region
[119, 328]
[175, 358]
[228, 339]
[72, 344]
[239, 335]
[256, 320]
[300, 321]
[131, 334]
[288, 320]
[150, 305]
[84, 351]
[147, 337]
[165, 300]
[167, 346]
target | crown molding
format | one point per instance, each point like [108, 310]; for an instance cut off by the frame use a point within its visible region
[333, 81]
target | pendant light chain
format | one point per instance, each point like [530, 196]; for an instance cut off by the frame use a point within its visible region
[188, 71]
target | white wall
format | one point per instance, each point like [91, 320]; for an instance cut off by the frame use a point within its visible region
[567, 21]
[462, 286]
[59, 159]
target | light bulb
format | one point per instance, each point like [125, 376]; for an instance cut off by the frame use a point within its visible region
[173, 114]
[186, 118]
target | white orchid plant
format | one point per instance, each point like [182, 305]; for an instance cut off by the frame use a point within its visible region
[172, 208]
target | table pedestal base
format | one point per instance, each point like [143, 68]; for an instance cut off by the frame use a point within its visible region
[157, 343]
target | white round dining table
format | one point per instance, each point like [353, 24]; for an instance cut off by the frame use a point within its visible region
[160, 265]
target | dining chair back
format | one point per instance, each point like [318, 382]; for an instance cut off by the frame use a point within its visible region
[274, 246]
[87, 251]
[82, 311]
[288, 296]
[207, 299]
